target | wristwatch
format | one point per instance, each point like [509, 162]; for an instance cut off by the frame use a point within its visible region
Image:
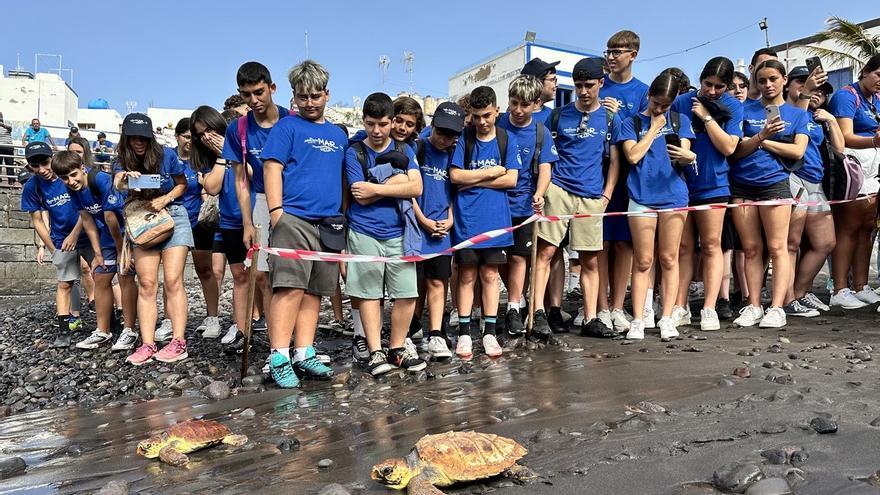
[707, 119]
[804, 96]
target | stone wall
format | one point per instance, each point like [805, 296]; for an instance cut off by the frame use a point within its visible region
[19, 272]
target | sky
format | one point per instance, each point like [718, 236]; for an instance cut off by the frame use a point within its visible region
[184, 53]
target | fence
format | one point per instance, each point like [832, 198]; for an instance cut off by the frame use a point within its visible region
[13, 165]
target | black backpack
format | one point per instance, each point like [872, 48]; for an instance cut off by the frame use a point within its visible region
[420, 151]
[470, 140]
[606, 146]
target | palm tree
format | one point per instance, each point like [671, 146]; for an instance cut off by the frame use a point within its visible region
[851, 44]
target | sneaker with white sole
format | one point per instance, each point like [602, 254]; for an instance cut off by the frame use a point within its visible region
[795, 308]
[94, 340]
[211, 328]
[605, 317]
[126, 341]
[749, 316]
[491, 346]
[648, 315]
[164, 332]
[464, 348]
[636, 330]
[359, 350]
[453, 318]
[810, 300]
[173, 352]
[579, 319]
[620, 320]
[229, 337]
[410, 346]
[846, 299]
[667, 329]
[709, 320]
[406, 359]
[378, 364]
[437, 348]
[773, 318]
[867, 295]
[681, 315]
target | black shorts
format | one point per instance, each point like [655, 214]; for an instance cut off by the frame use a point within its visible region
[233, 245]
[439, 268]
[779, 190]
[522, 238]
[485, 256]
[729, 237]
[203, 238]
[709, 201]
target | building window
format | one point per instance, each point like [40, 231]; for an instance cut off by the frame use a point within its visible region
[563, 96]
[840, 77]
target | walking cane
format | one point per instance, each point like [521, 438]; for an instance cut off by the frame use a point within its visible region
[248, 321]
[532, 278]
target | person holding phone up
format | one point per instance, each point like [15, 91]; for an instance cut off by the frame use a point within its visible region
[775, 138]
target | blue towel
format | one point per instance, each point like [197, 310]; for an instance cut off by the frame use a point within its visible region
[412, 233]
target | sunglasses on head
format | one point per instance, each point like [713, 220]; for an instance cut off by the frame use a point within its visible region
[582, 127]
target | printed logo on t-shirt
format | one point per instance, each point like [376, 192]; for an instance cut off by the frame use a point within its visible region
[93, 209]
[760, 123]
[112, 199]
[621, 103]
[323, 145]
[811, 126]
[584, 133]
[484, 163]
[435, 173]
[56, 201]
[255, 152]
[553, 150]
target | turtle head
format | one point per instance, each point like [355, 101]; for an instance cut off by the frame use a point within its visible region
[150, 447]
[393, 473]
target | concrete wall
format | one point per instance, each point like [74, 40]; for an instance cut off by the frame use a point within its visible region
[19, 273]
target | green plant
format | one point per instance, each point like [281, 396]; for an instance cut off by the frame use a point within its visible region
[852, 45]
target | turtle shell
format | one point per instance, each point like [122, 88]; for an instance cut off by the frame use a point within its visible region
[468, 455]
[197, 433]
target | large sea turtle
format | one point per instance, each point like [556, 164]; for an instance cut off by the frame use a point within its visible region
[449, 458]
[172, 445]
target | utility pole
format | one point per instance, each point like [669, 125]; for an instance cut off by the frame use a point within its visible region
[764, 27]
[408, 59]
[383, 66]
[307, 45]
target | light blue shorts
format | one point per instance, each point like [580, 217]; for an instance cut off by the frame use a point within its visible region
[182, 235]
[633, 206]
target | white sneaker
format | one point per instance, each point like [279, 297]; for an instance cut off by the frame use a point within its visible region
[773, 318]
[491, 346]
[126, 340]
[636, 330]
[648, 315]
[619, 320]
[846, 299]
[811, 301]
[667, 329]
[605, 317]
[438, 349]
[230, 334]
[681, 315]
[164, 332]
[453, 318]
[464, 347]
[867, 295]
[709, 320]
[579, 319]
[749, 316]
[410, 346]
[211, 328]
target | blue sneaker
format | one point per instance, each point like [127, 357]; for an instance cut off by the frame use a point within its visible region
[282, 371]
[312, 367]
[73, 323]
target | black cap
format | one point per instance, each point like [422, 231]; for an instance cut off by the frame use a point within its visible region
[588, 68]
[74, 129]
[35, 150]
[799, 72]
[537, 67]
[448, 115]
[137, 124]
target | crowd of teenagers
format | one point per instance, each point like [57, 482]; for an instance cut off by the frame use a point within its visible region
[290, 178]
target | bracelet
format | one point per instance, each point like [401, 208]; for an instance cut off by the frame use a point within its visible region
[223, 162]
[276, 208]
[606, 197]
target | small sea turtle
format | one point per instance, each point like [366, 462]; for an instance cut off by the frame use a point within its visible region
[449, 458]
[172, 445]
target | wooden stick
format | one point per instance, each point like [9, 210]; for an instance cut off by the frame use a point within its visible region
[532, 279]
[248, 321]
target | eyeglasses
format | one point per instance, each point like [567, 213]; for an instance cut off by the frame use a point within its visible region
[550, 79]
[616, 52]
[309, 97]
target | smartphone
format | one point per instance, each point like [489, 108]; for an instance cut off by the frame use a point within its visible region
[772, 112]
[145, 181]
[672, 139]
[812, 63]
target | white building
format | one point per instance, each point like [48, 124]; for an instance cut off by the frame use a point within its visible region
[93, 120]
[498, 70]
[25, 96]
[794, 53]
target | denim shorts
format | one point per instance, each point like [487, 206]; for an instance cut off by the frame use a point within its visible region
[182, 235]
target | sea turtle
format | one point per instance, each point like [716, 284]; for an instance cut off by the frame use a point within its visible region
[172, 445]
[449, 458]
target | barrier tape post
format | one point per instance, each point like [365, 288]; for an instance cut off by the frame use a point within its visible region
[532, 280]
[252, 286]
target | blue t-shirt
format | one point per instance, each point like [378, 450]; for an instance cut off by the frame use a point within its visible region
[655, 181]
[814, 167]
[94, 206]
[436, 194]
[480, 209]
[230, 211]
[380, 220]
[579, 169]
[31, 136]
[709, 180]
[39, 194]
[192, 196]
[763, 168]
[520, 197]
[171, 168]
[632, 96]
[542, 115]
[255, 140]
[312, 155]
[843, 104]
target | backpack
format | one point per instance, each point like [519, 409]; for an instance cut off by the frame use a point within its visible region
[470, 140]
[606, 146]
[843, 175]
[242, 126]
[870, 103]
[420, 151]
[360, 150]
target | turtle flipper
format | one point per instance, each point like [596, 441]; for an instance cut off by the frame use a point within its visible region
[235, 440]
[421, 486]
[520, 474]
[172, 456]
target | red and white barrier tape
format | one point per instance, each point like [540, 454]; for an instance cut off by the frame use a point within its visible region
[302, 254]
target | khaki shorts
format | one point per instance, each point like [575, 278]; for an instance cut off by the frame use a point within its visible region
[318, 278]
[367, 280]
[584, 234]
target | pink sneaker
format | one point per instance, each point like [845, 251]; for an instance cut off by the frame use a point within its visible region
[143, 355]
[174, 351]
[464, 348]
[491, 346]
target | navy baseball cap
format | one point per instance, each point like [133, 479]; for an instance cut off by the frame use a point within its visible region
[448, 115]
[537, 67]
[137, 124]
[34, 152]
[588, 68]
[801, 72]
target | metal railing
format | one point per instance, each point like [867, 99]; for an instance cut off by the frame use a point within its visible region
[13, 165]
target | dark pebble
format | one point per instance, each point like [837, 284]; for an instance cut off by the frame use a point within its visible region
[823, 425]
[115, 487]
[325, 463]
[12, 466]
[75, 450]
[775, 456]
[770, 486]
[35, 376]
[742, 372]
[875, 422]
[252, 380]
[217, 390]
[409, 410]
[289, 445]
[736, 477]
[799, 458]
